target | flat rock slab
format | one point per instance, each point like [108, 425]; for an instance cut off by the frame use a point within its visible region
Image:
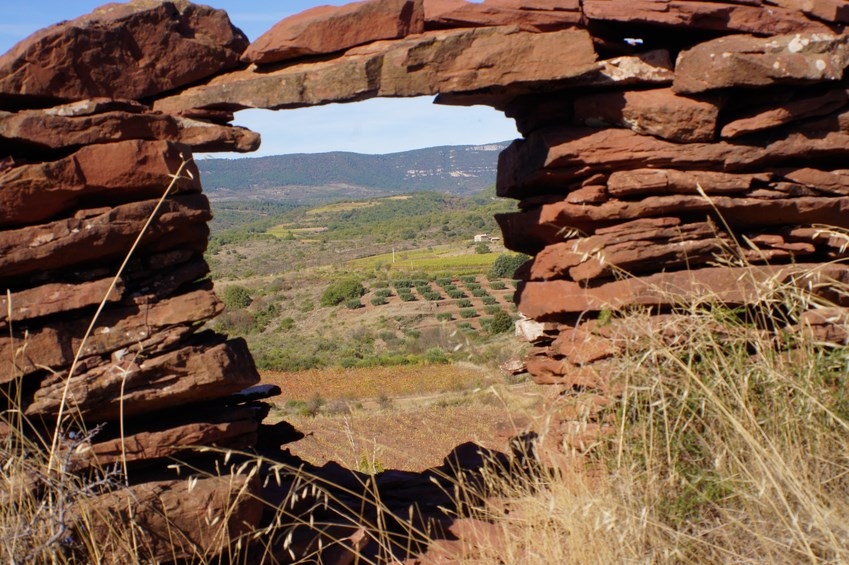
[101, 235]
[52, 129]
[826, 10]
[328, 29]
[731, 286]
[658, 112]
[529, 231]
[528, 15]
[114, 173]
[710, 15]
[194, 373]
[574, 153]
[430, 63]
[44, 300]
[639, 182]
[176, 519]
[53, 344]
[787, 113]
[131, 51]
[532, 108]
[747, 61]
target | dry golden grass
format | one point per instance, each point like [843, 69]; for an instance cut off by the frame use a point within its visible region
[374, 382]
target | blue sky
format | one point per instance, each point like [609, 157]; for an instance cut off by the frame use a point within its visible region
[372, 126]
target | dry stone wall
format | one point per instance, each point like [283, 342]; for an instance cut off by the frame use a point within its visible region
[658, 135]
[83, 163]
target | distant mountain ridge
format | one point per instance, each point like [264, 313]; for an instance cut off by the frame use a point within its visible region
[452, 169]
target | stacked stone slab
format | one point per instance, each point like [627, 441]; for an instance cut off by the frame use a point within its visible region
[671, 150]
[83, 162]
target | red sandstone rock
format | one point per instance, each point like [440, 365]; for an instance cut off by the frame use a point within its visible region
[712, 15]
[659, 112]
[726, 285]
[532, 112]
[623, 184]
[327, 29]
[193, 518]
[580, 152]
[53, 344]
[444, 61]
[132, 51]
[827, 10]
[554, 5]
[529, 231]
[171, 442]
[786, 113]
[591, 194]
[829, 182]
[827, 325]
[195, 373]
[745, 61]
[529, 16]
[664, 244]
[113, 173]
[474, 59]
[581, 347]
[103, 235]
[47, 299]
[56, 129]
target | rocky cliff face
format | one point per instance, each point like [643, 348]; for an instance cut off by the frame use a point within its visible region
[657, 136]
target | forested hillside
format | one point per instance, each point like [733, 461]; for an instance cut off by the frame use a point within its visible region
[463, 169]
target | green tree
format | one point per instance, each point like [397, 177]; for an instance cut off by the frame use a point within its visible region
[505, 265]
[341, 291]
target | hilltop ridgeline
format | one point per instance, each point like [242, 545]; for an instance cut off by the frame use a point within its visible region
[461, 170]
[658, 135]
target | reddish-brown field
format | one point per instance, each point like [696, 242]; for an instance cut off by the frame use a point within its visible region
[405, 418]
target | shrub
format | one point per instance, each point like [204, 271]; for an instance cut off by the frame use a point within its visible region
[473, 286]
[497, 285]
[264, 315]
[501, 322]
[468, 313]
[444, 317]
[443, 282]
[286, 324]
[464, 303]
[236, 322]
[353, 303]
[378, 300]
[449, 287]
[235, 297]
[383, 292]
[492, 309]
[342, 290]
[407, 297]
[489, 300]
[456, 293]
[432, 296]
[435, 356]
[482, 249]
[402, 283]
[468, 278]
[505, 265]
[479, 292]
